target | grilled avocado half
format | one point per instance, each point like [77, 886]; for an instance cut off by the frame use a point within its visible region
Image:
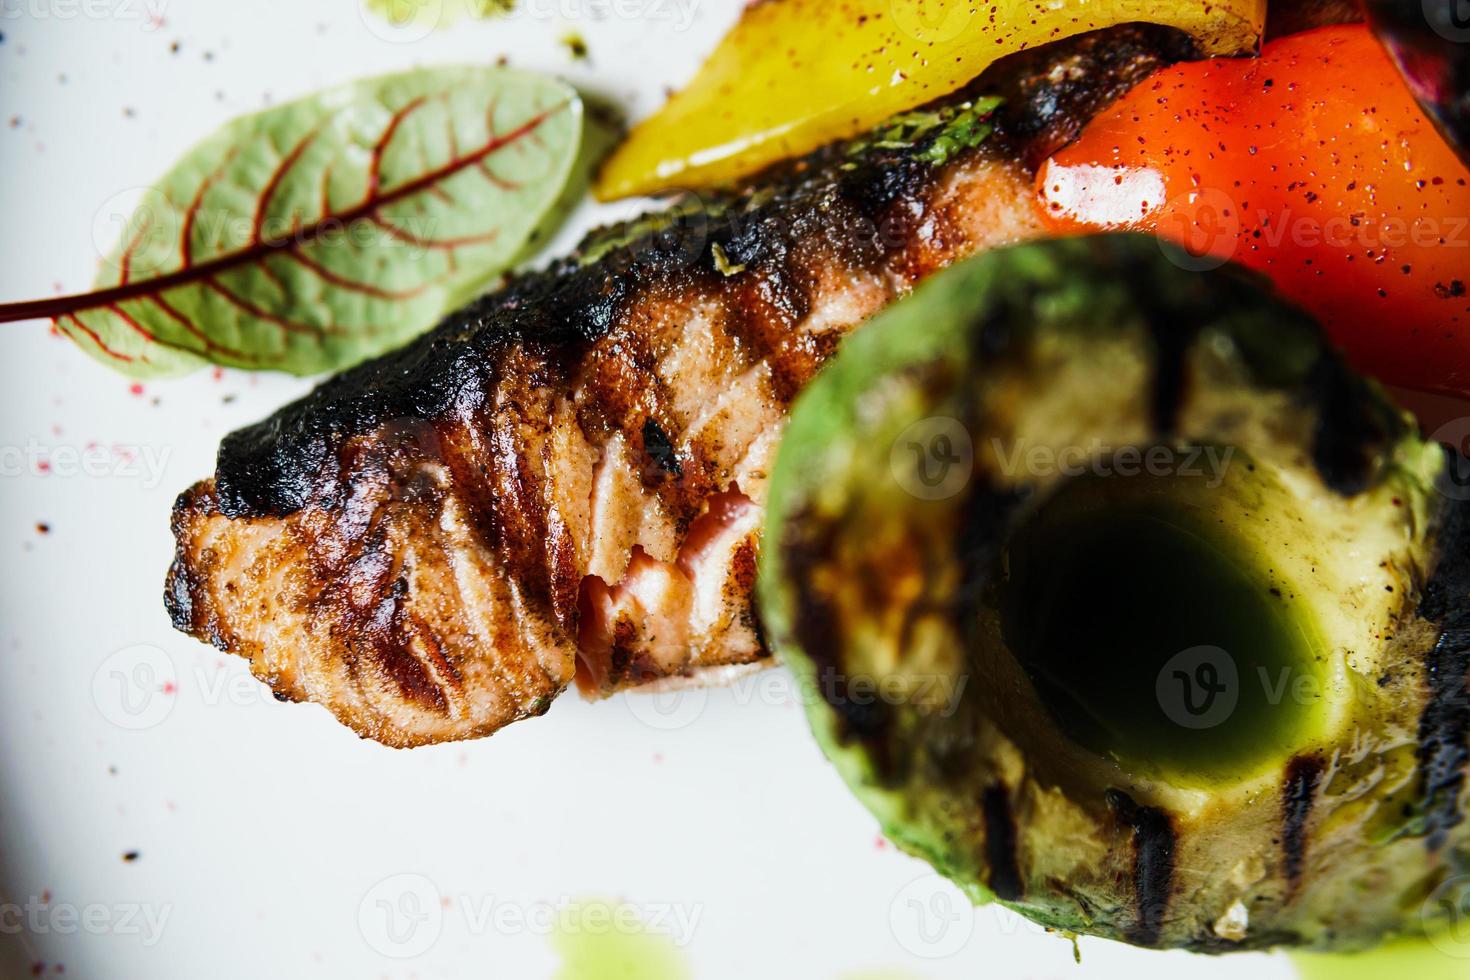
[1121, 600]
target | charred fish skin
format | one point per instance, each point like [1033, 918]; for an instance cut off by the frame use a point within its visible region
[873, 204]
[573, 468]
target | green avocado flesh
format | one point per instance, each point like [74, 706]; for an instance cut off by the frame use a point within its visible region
[1102, 611]
[1120, 599]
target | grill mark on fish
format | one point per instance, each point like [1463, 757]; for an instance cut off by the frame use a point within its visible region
[1298, 796]
[1444, 725]
[1048, 96]
[530, 444]
[656, 443]
[1001, 845]
[1154, 841]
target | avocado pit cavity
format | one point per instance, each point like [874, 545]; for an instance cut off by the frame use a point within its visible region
[1152, 637]
[1214, 712]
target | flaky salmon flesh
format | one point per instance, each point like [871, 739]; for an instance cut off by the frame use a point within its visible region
[564, 481]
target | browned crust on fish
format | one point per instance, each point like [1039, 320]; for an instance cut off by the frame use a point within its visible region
[422, 543]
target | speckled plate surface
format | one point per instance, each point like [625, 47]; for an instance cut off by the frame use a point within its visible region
[162, 816]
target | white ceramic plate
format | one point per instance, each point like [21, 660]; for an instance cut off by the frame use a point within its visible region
[269, 841]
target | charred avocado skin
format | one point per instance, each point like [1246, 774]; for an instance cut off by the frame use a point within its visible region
[1121, 600]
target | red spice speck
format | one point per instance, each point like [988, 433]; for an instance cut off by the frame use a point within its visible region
[136, 388]
[43, 466]
[880, 843]
[169, 687]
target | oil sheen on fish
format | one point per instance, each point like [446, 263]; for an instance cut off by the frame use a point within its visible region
[564, 481]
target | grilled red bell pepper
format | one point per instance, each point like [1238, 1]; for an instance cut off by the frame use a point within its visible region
[1313, 164]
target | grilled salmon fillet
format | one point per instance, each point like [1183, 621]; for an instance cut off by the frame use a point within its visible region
[564, 481]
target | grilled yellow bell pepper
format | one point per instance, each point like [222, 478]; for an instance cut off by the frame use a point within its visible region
[795, 74]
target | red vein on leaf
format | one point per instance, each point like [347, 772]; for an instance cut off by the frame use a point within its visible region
[260, 313]
[484, 165]
[143, 331]
[403, 234]
[187, 324]
[203, 271]
[381, 146]
[423, 152]
[496, 179]
[76, 322]
[273, 276]
[137, 327]
[186, 232]
[277, 176]
[289, 326]
[337, 279]
[125, 261]
[327, 189]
